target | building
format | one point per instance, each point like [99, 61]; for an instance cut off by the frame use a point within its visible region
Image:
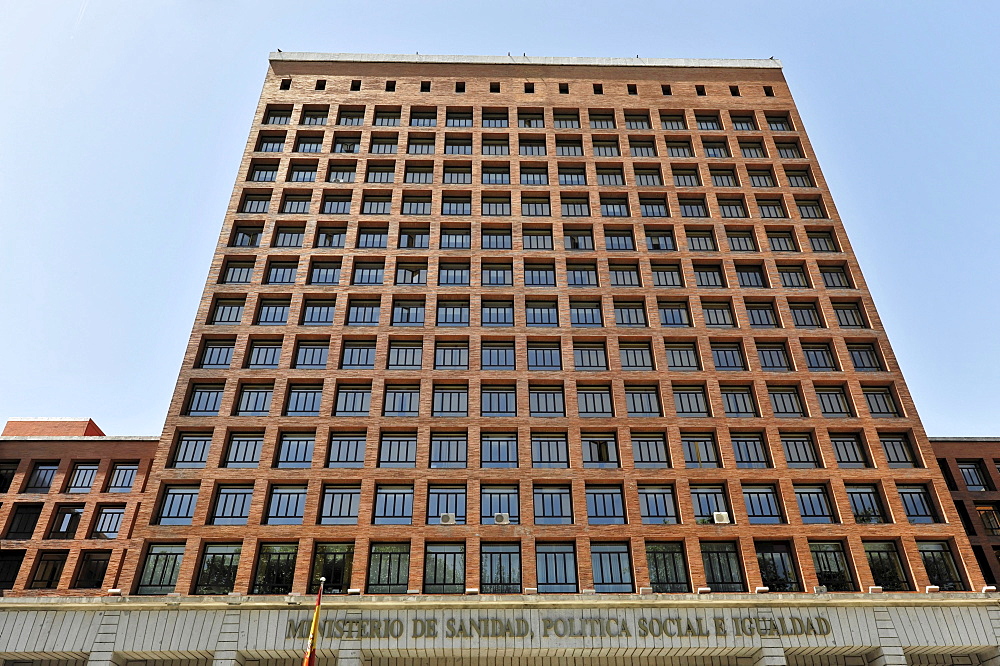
[528, 358]
[971, 468]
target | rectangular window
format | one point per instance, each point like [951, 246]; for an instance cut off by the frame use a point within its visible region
[973, 475]
[939, 563]
[446, 499]
[722, 566]
[217, 573]
[177, 506]
[833, 401]
[657, 505]
[549, 450]
[295, 451]
[500, 569]
[849, 451]
[388, 568]
[347, 450]
[397, 450]
[544, 356]
[690, 401]
[546, 401]
[814, 504]
[763, 506]
[612, 568]
[444, 569]
[898, 451]
[832, 570]
[667, 567]
[452, 313]
[23, 522]
[91, 570]
[918, 504]
[393, 505]
[674, 314]
[750, 451]
[81, 479]
[450, 401]
[107, 522]
[286, 505]
[880, 402]
[738, 402]
[773, 357]
[761, 315]
[160, 569]
[605, 505]
[254, 400]
[232, 505]
[401, 400]
[650, 450]
[498, 401]
[700, 451]
[886, 567]
[498, 449]
[65, 521]
[332, 561]
[777, 566]
[643, 401]
[866, 505]
[585, 314]
[594, 401]
[800, 451]
[556, 568]
[275, 569]
[499, 499]
[785, 401]
[353, 400]
[727, 356]
[541, 313]
[243, 451]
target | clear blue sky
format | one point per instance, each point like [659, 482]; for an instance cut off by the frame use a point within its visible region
[123, 123]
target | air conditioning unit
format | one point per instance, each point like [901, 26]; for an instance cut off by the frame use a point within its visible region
[448, 519]
[338, 180]
[720, 517]
[501, 518]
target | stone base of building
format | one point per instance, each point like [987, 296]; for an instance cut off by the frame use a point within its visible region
[540, 630]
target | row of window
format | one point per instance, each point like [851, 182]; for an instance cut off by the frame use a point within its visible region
[490, 272]
[497, 311]
[500, 567]
[500, 504]
[534, 204]
[81, 477]
[974, 474]
[657, 238]
[531, 145]
[402, 399]
[530, 173]
[534, 118]
[542, 355]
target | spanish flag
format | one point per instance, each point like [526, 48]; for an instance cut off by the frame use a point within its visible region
[310, 656]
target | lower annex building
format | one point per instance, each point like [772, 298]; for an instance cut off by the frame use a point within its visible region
[547, 359]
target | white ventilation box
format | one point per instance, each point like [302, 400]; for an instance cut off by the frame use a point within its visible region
[720, 517]
[501, 518]
[448, 519]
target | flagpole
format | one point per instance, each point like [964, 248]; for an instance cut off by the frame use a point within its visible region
[309, 659]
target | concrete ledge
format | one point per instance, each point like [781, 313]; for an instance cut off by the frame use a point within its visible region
[523, 60]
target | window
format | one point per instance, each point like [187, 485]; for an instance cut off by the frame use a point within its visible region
[773, 357]
[700, 451]
[722, 566]
[630, 314]
[362, 313]
[340, 204]
[785, 401]
[451, 356]
[388, 568]
[539, 275]
[232, 505]
[254, 400]
[81, 478]
[750, 451]
[715, 149]
[107, 522]
[573, 176]
[444, 568]
[160, 569]
[799, 451]
[690, 401]
[450, 401]
[752, 150]
[939, 563]
[544, 356]
[973, 475]
[246, 237]
[718, 315]
[589, 356]
[227, 312]
[499, 499]
[832, 570]
[581, 275]
[600, 451]
[727, 356]
[886, 567]
[275, 569]
[667, 567]
[23, 522]
[541, 313]
[848, 450]
[648, 177]
[344, 173]
[880, 402]
[739, 401]
[594, 401]
[91, 570]
[452, 313]
[848, 315]
[500, 569]
[556, 568]
[65, 521]
[833, 402]
[304, 400]
[834, 277]
[635, 355]
[286, 505]
[606, 147]
[674, 314]
[445, 499]
[498, 449]
[642, 401]
[612, 568]
[810, 209]
[273, 312]
[332, 561]
[750, 276]
[498, 313]
[295, 450]
[693, 208]
[814, 504]
[585, 313]
[660, 241]
[650, 450]
[191, 451]
[497, 355]
[347, 450]
[569, 147]
[789, 150]
[546, 401]
[761, 315]
[657, 505]
[549, 450]
[353, 400]
[866, 505]
[397, 450]
[777, 566]
[763, 506]
[732, 208]
[917, 504]
[642, 147]
[498, 401]
[177, 505]
[393, 505]
[243, 450]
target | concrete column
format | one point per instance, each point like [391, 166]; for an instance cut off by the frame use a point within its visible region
[227, 646]
[769, 656]
[349, 650]
[889, 651]
[349, 658]
[102, 650]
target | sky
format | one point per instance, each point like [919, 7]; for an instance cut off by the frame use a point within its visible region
[122, 125]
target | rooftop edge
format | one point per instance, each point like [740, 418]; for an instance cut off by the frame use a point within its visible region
[303, 56]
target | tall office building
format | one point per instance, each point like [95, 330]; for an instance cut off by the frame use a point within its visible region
[573, 356]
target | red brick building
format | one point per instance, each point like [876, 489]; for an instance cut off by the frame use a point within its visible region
[511, 326]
